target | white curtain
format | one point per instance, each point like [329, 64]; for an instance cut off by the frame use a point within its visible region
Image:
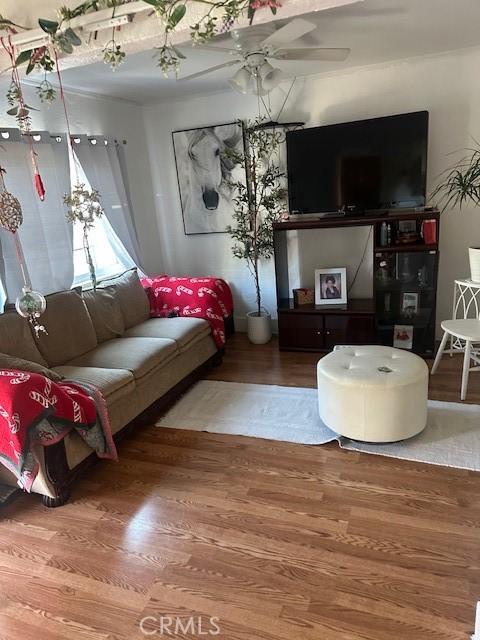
[100, 160]
[46, 236]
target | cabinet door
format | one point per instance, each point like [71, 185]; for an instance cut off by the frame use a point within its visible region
[343, 329]
[301, 331]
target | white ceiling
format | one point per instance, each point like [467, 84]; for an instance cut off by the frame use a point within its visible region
[375, 30]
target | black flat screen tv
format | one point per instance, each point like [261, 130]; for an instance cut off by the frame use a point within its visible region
[369, 164]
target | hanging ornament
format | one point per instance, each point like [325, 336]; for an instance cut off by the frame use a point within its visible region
[11, 216]
[83, 204]
[21, 111]
[30, 304]
[84, 207]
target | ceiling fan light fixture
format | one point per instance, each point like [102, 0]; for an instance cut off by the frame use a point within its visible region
[241, 80]
[265, 69]
[258, 88]
[272, 79]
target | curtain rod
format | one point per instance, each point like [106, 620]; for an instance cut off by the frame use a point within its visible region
[77, 138]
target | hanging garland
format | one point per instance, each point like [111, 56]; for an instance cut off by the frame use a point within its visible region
[219, 17]
[21, 111]
[84, 205]
[30, 304]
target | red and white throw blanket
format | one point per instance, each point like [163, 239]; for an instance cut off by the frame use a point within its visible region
[36, 411]
[209, 298]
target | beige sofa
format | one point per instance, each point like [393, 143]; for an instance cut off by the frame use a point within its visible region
[107, 338]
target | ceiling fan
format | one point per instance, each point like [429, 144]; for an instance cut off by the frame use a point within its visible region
[255, 47]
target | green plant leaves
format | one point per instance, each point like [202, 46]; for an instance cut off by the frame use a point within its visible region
[177, 14]
[461, 183]
[13, 111]
[49, 26]
[178, 53]
[72, 37]
[23, 57]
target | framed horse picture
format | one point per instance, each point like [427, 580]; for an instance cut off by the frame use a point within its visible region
[204, 171]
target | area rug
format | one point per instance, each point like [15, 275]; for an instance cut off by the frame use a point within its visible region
[451, 438]
[255, 410]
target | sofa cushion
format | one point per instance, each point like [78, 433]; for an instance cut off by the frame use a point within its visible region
[105, 312]
[131, 296]
[185, 331]
[13, 362]
[70, 328]
[138, 355]
[113, 383]
[16, 338]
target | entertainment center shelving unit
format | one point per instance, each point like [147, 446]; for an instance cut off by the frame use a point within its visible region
[397, 269]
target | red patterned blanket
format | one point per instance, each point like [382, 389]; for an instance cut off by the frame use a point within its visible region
[36, 411]
[209, 298]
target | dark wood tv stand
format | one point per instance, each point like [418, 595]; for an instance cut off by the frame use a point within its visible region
[411, 268]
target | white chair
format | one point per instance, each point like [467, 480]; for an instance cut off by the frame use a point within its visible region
[464, 336]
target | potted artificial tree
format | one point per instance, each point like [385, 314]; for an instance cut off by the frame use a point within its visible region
[461, 185]
[257, 205]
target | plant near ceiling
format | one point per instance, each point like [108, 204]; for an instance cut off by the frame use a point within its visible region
[219, 17]
[459, 186]
[258, 203]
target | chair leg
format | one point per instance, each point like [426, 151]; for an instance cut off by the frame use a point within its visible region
[440, 351]
[466, 369]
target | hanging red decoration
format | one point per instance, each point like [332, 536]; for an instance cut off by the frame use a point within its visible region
[39, 186]
[21, 111]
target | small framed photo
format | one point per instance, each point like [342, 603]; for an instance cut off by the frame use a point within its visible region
[409, 304]
[403, 336]
[331, 286]
[407, 226]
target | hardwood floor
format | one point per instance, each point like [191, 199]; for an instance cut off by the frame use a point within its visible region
[275, 541]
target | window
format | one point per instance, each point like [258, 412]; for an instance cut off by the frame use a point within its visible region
[108, 253]
[101, 241]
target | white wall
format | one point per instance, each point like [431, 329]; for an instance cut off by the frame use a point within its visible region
[96, 115]
[446, 85]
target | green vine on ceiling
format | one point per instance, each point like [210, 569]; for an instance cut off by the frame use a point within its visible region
[219, 17]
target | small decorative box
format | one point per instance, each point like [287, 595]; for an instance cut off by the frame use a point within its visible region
[303, 296]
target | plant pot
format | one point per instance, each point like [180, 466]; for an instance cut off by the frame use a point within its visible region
[474, 256]
[259, 327]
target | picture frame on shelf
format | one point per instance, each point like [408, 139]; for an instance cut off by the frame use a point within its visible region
[409, 304]
[331, 286]
[407, 231]
[403, 336]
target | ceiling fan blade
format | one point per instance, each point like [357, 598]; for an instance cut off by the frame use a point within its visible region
[199, 74]
[207, 47]
[291, 31]
[313, 53]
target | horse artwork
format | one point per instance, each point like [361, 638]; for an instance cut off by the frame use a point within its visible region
[204, 171]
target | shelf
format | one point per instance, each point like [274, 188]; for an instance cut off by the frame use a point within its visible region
[402, 287]
[407, 248]
[356, 306]
[369, 218]
[319, 328]
[420, 321]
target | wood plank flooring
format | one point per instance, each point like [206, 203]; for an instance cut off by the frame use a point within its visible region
[274, 541]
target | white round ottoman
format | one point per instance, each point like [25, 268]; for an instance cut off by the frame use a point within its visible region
[373, 393]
